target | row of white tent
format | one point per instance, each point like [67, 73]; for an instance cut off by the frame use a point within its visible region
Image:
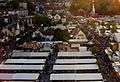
[25, 69]
[69, 68]
[22, 69]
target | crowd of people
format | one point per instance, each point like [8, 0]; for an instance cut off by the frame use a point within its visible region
[101, 43]
[6, 42]
[30, 45]
[50, 61]
[106, 68]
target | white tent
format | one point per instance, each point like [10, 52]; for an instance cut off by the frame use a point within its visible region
[78, 76]
[25, 61]
[117, 37]
[19, 76]
[75, 54]
[75, 61]
[76, 67]
[21, 67]
[30, 54]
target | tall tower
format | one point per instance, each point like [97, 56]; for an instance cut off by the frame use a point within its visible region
[93, 7]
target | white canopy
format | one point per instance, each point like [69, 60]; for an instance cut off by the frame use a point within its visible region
[75, 54]
[76, 67]
[21, 67]
[25, 61]
[78, 40]
[117, 37]
[78, 76]
[63, 61]
[83, 49]
[30, 54]
[18, 76]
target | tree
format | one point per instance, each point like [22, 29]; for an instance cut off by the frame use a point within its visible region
[14, 4]
[80, 6]
[92, 23]
[103, 7]
[30, 7]
[114, 28]
[61, 35]
[94, 50]
[38, 20]
[116, 6]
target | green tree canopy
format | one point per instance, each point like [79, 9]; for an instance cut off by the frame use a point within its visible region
[61, 35]
[38, 20]
[80, 6]
[13, 4]
[104, 7]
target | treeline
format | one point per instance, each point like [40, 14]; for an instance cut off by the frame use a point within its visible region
[103, 7]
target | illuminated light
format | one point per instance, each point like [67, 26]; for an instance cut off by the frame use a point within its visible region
[119, 0]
